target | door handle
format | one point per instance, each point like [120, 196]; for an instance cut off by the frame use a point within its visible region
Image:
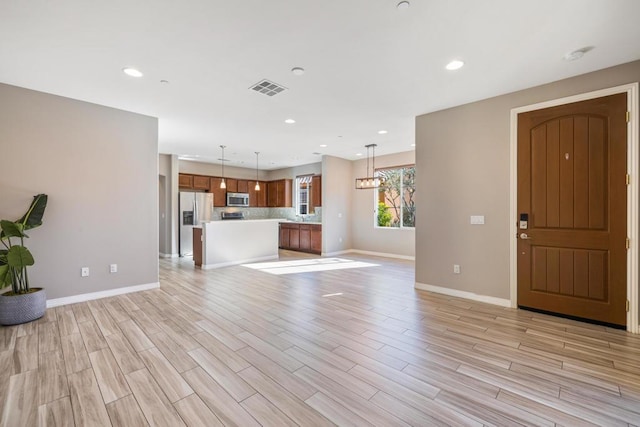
[525, 236]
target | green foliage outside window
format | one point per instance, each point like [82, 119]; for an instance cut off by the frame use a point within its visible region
[396, 197]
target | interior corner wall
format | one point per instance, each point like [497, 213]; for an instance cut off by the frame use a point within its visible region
[99, 167]
[336, 204]
[365, 235]
[167, 170]
[462, 169]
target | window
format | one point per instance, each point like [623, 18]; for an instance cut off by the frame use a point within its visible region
[395, 200]
[303, 193]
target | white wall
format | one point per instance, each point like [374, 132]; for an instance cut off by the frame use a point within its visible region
[336, 204]
[365, 236]
[99, 167]
[201, 168]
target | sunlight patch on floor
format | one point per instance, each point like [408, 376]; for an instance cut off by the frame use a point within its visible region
[308, 265]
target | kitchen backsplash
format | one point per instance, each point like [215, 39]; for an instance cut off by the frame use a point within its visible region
[266, 213]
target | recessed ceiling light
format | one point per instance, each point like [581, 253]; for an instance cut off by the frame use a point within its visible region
[289, 121]
[456, 64]
[403, 5]
[166, 82]
[297, 71]
[413, 145]
[323, 145]
[132, 72]
[358, 154]
[382, 132]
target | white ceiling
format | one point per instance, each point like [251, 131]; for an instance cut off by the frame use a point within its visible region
[369, 66]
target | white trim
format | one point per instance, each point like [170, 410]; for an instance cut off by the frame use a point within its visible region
[230, 263]
[503, 302]
[101, 294]
[169, 255]
[383, 254]
[633, 167]
[336, 253]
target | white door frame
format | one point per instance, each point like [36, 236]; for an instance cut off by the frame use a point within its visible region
[632, 191]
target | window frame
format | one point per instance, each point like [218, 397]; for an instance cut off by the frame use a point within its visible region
[297, 193]
[402, 207]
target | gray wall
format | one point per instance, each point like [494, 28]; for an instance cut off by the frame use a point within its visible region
[462, 161]
[99, 167]
[201, 168]
[367, 237]
[336, 204]
[168, 221]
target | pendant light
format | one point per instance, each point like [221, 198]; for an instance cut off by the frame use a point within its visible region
[257, 182]
[369, 181]
[223, 184]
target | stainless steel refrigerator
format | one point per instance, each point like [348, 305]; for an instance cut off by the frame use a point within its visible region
[195, 208]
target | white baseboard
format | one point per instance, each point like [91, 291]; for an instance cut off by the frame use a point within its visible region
[101, 294]
[169, 255]
[384, 254]
[330, 254]
[230, 263]
[464, 294]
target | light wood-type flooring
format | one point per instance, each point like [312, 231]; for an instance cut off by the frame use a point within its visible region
[242, 347]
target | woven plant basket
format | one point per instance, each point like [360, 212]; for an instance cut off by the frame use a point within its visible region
[16, 309]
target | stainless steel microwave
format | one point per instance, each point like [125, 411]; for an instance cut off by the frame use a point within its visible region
[238, 199]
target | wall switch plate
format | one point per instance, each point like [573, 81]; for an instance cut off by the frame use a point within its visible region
[477, 219]
[113, 268]
[456, 268]
[84, 272]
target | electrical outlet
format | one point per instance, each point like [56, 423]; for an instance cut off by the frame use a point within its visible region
[84, 272]
[456, 268]
[113, 268]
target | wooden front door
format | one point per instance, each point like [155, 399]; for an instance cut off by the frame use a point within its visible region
[572, 163]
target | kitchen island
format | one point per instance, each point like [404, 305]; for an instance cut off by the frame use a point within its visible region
[227, 243]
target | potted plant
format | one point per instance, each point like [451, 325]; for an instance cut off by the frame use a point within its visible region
[22, 304]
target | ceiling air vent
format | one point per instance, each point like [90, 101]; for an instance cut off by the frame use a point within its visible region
[267, 87]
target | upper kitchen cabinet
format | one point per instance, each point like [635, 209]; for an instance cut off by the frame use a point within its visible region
[316, 192]
[243, 186]
[279, 193]
[185, 181]
[201, 182]
[257, 199]
[232, 185]
[219, 194]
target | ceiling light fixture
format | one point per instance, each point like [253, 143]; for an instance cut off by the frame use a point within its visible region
[297, 71]
[257, 188]
[223, 184]
[382, 132]
[456, 64]
[576, 54]
[370, 181]
[132, 72]
[358, 154]
[289, 121]
[323, 145]
[403, 5]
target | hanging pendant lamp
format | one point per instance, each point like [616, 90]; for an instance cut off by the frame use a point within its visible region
[369, 181]
[257, 188]
[223, 184]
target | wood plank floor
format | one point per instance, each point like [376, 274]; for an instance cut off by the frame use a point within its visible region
[354, 346]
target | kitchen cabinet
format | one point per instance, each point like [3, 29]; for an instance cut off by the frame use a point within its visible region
[279, 193]
[201, 182]
[316, 192]
[301, 237]
[232, 185]
[185, 181]
[243, 186]
[219, 194]
[257, 199]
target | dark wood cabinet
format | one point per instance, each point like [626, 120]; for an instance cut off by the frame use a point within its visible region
[301, 237]
[257, 199]
[219, 194]
[316, 192]
[243, 186]
[185, 181]
[279, 193]
[232, 185]
[201, 182]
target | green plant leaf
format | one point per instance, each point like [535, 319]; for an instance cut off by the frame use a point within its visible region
[33, 217]
[19, 257]
[5, 278]
[12, 229]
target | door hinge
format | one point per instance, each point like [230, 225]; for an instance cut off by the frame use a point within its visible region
[628, 179]
[627, 307]
[628, 118]
[627, 243]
